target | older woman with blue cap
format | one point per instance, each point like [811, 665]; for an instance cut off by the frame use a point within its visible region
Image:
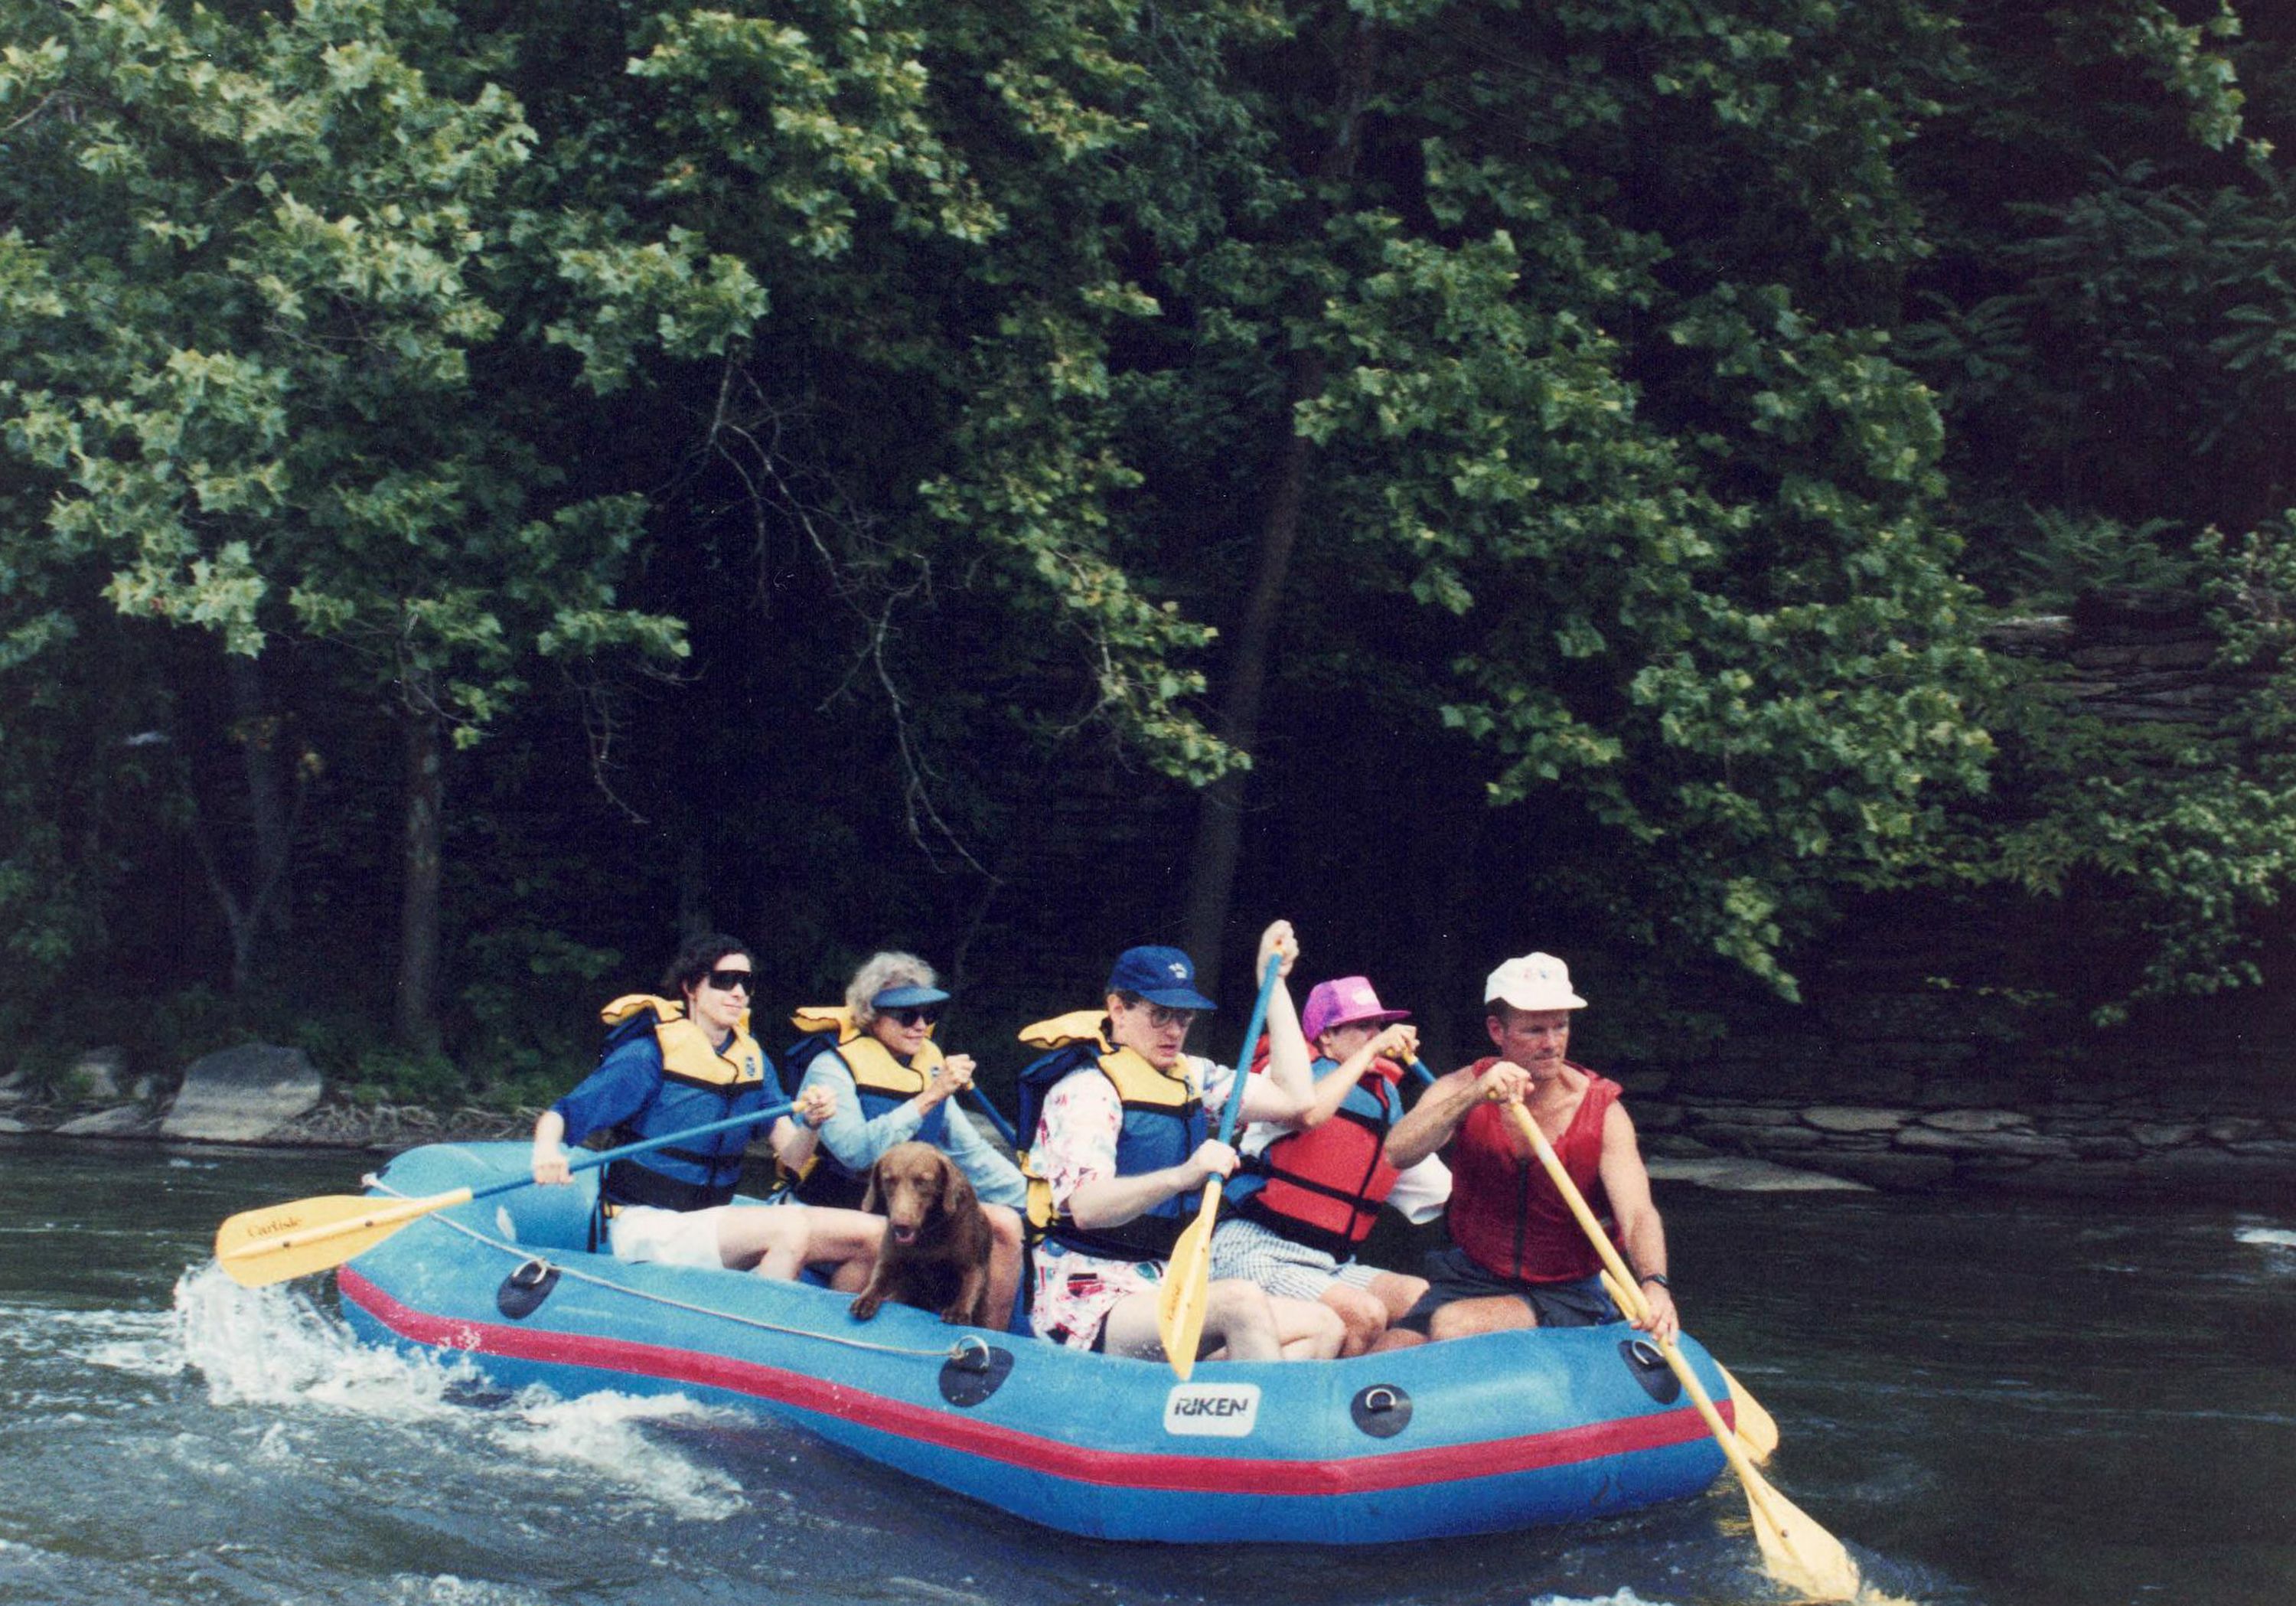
[1118, 1120]
[875, 1053]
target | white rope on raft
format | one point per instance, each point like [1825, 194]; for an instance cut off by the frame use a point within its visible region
[967, 1351]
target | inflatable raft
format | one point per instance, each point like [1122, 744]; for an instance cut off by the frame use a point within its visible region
[1477, 1435]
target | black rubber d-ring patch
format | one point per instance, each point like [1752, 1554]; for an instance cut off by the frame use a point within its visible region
[1651, 1370]
[1381, 1410]
[522, 1292]
[974, 1372]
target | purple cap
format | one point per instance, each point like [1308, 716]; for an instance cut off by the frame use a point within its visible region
[1348, 1001]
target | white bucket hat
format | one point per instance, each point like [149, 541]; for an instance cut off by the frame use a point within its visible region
[1535, 981]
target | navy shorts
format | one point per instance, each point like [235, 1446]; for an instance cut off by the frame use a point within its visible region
[1452, 1274]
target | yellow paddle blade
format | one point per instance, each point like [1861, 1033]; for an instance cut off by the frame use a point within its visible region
[258, 1247]
[1795, 1550]
[1757, 1431]
[1187, 1287]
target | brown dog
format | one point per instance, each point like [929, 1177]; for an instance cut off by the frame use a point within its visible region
[936, 1253]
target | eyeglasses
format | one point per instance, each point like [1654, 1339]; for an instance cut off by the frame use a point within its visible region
[929, 1014]
[727, 981]
[1161, 1018]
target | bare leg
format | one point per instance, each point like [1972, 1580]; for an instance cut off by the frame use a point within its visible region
[1463, 1318]
[1003, 1262]
[781, 1240]
[848, 1240]
[1306, 1329]
[1362, 1317]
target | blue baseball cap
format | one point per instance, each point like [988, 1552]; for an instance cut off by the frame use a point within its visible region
[907, 998]
[1161, 975]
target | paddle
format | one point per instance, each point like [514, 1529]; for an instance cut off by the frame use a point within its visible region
[995, 1116]
[1757, 1430]
[258, 1247]
[1188, 1274]
[1798, 1553]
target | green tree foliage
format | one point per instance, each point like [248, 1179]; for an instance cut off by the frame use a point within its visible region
[1631, 408]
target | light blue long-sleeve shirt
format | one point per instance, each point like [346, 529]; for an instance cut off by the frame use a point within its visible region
[857, 1142]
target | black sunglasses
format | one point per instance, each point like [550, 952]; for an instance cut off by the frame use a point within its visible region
[725, 981]
[925, 1015]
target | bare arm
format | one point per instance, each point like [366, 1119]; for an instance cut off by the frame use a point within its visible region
[1290, 1084]
[1625, 1180]
[1436, 1118]
[1113, 1200]
[1397, 1042]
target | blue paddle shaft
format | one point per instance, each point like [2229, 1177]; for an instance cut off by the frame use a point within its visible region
[1419, 1069]
[1250, 1042]
[996, 1117]
[607, 1157]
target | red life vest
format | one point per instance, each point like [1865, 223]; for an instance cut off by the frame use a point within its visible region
[1505, 1212]
[1323, 1187]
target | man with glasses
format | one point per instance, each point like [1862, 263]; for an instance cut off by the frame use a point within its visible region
[681, 1061]
[1120, 1122]
[876, 1056]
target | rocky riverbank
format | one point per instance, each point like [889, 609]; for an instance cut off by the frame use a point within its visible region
[2171, 1141]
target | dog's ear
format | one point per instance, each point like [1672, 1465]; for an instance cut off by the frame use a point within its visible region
[869, 1194]
[957, 1197]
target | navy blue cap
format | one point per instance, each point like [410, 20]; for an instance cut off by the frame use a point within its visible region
[1161, 975]
[907, 998]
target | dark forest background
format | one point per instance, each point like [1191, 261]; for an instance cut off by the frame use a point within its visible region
[488, 488]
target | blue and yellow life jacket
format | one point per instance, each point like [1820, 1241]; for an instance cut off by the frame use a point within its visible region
[1323, 1187]
[1163, 1125]
[700, 1084]
[881, 1082]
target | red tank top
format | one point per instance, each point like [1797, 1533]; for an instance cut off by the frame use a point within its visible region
[1505, 1212]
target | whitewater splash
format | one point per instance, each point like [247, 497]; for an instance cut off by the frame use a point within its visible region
[273, 1348]
[2278, 1237]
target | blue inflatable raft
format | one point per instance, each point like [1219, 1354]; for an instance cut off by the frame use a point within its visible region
[1478, 1435]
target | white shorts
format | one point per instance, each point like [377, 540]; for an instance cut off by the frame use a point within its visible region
[1289, 1271]
[675, 1237]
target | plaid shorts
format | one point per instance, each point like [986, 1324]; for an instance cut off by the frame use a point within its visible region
[1257, 1254]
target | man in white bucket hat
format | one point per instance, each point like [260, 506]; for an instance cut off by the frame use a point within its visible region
[1517, 1256]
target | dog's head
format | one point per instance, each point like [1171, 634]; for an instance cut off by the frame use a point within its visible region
[916, 1186]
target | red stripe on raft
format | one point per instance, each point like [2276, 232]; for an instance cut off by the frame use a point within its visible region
[1130, 1469]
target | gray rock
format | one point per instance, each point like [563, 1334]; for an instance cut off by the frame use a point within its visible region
[11, 1095]
[1751, 1176]
[1998, 1145]
[94, 1077]
[2235, 1129]
[9, 1123]
[1785, 1137]
[123, 1121]
[1976, 1120]
[1740, 1115]
[1847, 1118]
[239, 1095]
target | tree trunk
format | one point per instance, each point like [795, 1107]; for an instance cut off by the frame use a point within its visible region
[1220, 809]
[268, 812]
[418, 1013]
[1219, 816]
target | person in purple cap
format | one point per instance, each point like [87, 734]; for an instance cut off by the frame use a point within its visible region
[1306, 1202]
[1118, 1118]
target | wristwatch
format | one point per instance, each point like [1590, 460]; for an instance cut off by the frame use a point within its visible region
[1657, 1277]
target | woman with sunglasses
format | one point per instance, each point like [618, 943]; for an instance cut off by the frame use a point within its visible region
[683, 1060]
[876, 1056]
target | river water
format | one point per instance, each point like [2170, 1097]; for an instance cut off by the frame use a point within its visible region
[1996, 1402]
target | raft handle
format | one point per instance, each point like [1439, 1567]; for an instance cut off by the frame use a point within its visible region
[1383, 1409]
[522, 1292]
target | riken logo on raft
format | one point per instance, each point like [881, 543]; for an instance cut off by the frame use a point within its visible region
[1212, 1410]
